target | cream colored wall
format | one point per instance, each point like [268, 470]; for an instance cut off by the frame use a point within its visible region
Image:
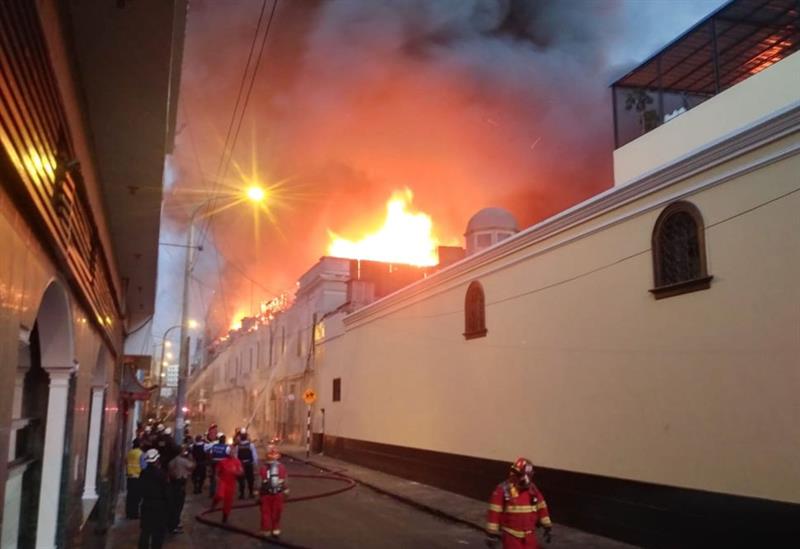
[775, 88]
[583, 370]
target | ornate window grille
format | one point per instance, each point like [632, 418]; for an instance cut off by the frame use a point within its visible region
[679, 255]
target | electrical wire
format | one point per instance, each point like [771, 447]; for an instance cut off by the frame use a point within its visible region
[225, 162]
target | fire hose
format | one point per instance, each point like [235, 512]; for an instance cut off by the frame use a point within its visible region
[202, 517]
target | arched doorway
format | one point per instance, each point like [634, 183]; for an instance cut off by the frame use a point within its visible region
[52, 351]
[96, 407]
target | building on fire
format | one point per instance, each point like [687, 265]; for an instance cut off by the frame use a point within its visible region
[640, 347]
[89, 91]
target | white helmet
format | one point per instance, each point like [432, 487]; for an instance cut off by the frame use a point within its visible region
[160, 427]
[168, 431]
[151, 456]
[243, 431]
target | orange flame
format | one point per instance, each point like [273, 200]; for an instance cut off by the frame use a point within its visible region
[236, 323]
[405, 237]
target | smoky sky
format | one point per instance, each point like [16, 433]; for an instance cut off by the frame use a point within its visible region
[469, 103]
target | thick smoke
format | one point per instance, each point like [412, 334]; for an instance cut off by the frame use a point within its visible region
[470, 103]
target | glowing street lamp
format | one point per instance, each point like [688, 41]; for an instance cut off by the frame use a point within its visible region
[255, 194]
[192, 324]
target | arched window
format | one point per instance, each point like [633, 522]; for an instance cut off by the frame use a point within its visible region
[474, 312]
[679, 251]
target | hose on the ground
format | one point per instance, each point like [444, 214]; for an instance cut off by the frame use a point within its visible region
[202, 516]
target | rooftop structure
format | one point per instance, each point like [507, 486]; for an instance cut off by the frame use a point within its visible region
[488, 227]
[741, 43]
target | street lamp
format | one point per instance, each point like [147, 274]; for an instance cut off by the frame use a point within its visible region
[255, 194]
[163, 362]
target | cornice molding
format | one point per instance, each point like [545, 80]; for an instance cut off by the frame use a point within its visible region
[759, 134]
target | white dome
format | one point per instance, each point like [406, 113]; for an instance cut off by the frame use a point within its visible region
[492, 219]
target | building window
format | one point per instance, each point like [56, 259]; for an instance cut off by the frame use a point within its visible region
[483, 240]
[337, 389]
[679, 251]
[474, 312]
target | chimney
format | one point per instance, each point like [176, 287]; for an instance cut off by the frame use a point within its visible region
[449, 255]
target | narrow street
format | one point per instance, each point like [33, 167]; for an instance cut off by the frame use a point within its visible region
[359, 517]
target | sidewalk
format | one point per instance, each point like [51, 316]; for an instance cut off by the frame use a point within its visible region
[440, 502]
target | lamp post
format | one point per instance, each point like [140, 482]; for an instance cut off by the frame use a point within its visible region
[254, 194]
[161, 363]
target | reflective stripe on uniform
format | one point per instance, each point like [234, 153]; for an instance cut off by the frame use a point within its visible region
[546, 521]
[495, 507]
[516, 533]
[521, 508]
[542, 505]
[492, 526]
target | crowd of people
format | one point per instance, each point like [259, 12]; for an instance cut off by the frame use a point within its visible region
[158, 469]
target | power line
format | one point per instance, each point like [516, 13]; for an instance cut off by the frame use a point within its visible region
[231, 137]
[225, 162]
[232, 122]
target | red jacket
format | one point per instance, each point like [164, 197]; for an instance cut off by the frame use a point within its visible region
[516, 512]
[227, 471]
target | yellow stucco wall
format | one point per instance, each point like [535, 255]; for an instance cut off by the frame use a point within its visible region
[583, 369]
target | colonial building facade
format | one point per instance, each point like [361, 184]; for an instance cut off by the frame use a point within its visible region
[88, 102]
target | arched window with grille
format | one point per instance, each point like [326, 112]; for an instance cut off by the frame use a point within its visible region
[679, 251]
[474, 312]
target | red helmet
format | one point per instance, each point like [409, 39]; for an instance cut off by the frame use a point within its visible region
[523, 468]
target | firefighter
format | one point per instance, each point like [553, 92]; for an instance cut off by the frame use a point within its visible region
[153, 486]
[273, 491]
[201, 460]
[228, 470]
[216, 453]
[246, 452]
[516, 509]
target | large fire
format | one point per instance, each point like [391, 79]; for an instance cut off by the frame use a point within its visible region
[405, 237]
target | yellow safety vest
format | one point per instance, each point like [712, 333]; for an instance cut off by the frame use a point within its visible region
[134, 462]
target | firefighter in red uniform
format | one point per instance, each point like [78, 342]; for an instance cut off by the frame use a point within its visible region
[227, 470]
[516, 509]
[273, 491]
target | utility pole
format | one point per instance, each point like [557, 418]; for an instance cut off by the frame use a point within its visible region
[255, 194]
[183, 368]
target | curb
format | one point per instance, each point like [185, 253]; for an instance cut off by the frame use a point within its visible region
[435, 511]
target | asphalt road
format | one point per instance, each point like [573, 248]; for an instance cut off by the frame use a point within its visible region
[359, 517]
